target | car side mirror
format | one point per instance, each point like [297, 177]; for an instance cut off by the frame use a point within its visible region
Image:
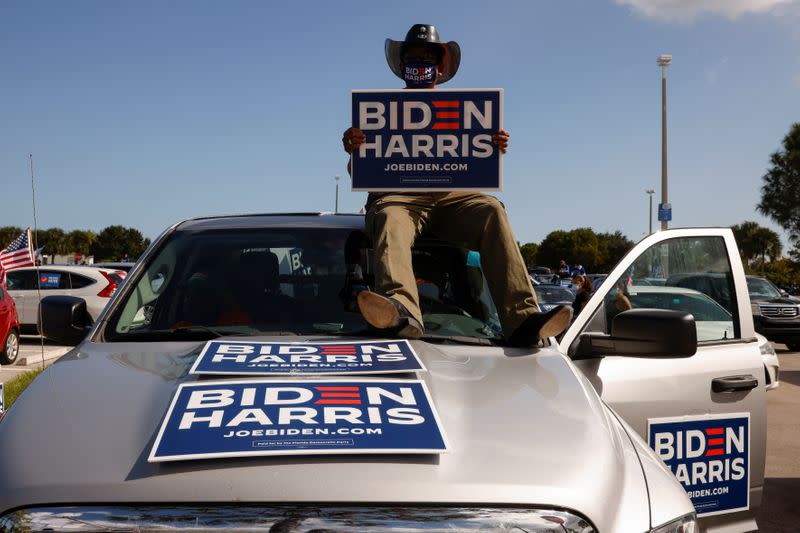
[64, 319]
[643, 333]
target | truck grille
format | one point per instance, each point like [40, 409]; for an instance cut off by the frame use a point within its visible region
[778, 311]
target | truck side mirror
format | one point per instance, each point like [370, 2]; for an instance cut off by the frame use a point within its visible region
[64, 319]
[643, 333]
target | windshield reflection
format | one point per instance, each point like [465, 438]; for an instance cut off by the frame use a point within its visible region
[289, 281]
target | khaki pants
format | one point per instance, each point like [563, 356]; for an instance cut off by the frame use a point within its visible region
[478, 221]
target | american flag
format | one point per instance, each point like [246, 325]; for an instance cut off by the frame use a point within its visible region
[17, 254]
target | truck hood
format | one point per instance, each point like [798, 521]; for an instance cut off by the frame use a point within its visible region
[525, 427]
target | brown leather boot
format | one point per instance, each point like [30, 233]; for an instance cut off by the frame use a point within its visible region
[539, 326]
[389, 314]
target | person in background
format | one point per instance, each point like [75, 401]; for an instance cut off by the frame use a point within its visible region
[563, 269]
[585, 290]
[616, 302]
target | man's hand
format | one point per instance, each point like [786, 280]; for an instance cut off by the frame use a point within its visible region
[353, 137]
[500, 139]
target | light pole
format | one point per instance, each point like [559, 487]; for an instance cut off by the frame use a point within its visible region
[664, 61]
[337, 178]
[650, 193]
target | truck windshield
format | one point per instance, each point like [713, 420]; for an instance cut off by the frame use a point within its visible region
[289, 281]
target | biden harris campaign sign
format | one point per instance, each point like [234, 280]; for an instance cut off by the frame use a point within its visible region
[710, 456]
[260, 417]
[283, 358]
[427, 140]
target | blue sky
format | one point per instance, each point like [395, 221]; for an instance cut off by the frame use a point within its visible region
[147, 113]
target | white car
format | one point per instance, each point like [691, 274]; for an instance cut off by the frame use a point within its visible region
[95, 285]
[713, 321]
[771, 362]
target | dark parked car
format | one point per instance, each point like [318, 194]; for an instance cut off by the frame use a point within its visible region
[534, 270]
[714, 284]
[549, 296]
[776, 315]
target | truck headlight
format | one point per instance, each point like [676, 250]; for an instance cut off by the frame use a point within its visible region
[684, 524]
[756, 309]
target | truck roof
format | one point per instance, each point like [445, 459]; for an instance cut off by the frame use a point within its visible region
[264, 220]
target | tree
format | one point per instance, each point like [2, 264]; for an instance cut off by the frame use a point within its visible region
[613, 247]
[54, 241]
[114, 242]
[780, 193]
[579, 245]
[529, 251]
[81, 241]
[8, 234]
[794, 253]
[756, 241]
[784, 273]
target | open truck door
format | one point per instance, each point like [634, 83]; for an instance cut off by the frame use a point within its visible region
[668, 342]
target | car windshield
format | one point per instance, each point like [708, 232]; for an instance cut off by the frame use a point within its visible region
[761, 289]
[290, 281]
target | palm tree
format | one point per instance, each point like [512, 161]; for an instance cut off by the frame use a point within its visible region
[756, 241]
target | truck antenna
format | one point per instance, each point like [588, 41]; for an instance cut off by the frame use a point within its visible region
[35, 243]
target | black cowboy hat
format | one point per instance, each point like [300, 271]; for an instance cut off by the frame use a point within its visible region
[424, 34]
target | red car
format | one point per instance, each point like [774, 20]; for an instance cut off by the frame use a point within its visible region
[9, 329]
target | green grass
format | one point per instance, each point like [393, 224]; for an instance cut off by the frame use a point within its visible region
[14, 388]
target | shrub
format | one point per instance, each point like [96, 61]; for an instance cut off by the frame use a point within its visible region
[14, 387]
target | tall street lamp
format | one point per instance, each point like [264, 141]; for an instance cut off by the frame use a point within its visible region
[650, 193]
[337, 178]
[664, 61]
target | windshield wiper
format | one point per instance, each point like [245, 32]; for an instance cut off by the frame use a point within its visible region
[460, 339]
[194, 333]
[456, 339]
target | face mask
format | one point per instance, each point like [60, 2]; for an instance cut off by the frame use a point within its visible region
[419, 75]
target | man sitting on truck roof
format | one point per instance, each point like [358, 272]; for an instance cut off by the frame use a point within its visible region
[395, 219]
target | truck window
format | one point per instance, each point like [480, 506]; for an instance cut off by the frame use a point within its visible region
[689, 274]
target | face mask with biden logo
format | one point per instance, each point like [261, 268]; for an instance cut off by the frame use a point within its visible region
[419, 75]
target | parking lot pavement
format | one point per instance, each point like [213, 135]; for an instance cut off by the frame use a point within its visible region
[780, 506]
[30, 357]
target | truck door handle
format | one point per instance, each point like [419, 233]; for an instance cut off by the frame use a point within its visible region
[734, 383]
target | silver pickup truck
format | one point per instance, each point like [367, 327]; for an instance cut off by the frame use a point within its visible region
[648, 415]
